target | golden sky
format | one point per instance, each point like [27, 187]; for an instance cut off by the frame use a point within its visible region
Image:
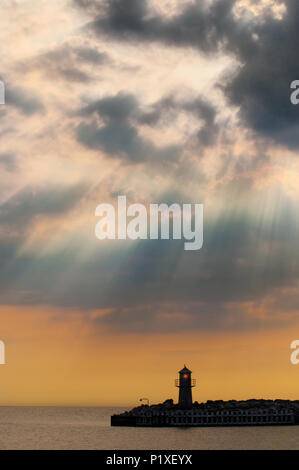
[65, 362]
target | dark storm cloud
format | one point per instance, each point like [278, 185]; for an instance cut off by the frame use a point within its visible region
[123, 141]
[262, 85]
[121, 115]
[195, 25]
[264, 46]
[115, 140]
[118, 108]
[119, 135]
[24, 100]
[208, 28]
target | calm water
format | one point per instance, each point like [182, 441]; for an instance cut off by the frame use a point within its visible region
[89, 428]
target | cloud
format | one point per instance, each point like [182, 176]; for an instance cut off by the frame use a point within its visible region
[118, 136]
[19, 280]
[168, 108]
[176, 317]
[24, 100]
[8, 161]
[121, 116]
[71, 63]
[263, 45]
[118, 108]
[154, 285]
[91, 55]
[206, 27]
[261, 87]
[20, 210]
[250, 233]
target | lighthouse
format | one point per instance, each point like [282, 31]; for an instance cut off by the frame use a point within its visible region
[185, 384]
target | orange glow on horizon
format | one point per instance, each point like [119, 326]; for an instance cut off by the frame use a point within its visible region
[54, 360]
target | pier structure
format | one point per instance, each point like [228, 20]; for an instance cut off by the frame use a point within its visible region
[216, 418]
[252, 412]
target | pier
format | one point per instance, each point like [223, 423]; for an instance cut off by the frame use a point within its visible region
[212, 413]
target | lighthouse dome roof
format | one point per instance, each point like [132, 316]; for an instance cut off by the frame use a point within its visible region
[185, 370]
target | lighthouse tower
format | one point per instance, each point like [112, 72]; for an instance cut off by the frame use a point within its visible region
[185, 384]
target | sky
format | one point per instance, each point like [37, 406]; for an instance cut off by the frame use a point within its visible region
[175, 102]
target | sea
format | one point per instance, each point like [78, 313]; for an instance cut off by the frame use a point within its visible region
[48, 428]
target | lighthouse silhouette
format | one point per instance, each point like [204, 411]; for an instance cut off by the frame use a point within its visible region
[185, 384]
